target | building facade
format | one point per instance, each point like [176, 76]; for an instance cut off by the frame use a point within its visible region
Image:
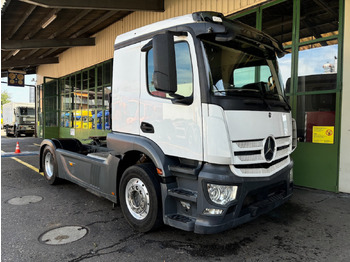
[73, 95]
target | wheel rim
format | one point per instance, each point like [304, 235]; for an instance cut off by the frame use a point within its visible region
[137, 198]
[49, 165]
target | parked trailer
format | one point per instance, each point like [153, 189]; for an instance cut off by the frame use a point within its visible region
[201, 132]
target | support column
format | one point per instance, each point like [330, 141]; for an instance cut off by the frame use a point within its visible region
[344, 162]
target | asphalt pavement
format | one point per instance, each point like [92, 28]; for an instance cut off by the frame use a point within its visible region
[313, 226]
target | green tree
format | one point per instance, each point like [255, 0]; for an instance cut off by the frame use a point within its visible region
[5, 98]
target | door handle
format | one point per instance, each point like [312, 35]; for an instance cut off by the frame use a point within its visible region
[147, 127]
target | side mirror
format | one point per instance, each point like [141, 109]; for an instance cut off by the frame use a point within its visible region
[164, 77]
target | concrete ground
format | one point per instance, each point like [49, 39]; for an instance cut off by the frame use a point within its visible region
[313, 226]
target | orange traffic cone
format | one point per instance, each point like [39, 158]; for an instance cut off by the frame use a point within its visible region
[17, 149]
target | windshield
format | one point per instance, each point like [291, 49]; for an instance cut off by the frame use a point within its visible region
[243, 69]
[26, 111]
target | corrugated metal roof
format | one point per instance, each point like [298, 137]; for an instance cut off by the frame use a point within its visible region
[56, 29]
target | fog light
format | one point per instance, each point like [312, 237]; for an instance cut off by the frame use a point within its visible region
[221, 194]
[212, 211]
[185, 205]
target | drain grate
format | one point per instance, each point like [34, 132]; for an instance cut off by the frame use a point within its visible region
[63, 235]
[24, 200]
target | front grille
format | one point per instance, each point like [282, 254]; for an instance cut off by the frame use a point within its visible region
[249, 159]
[263, 169]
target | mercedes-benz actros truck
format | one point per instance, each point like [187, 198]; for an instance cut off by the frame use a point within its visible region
[201, 132]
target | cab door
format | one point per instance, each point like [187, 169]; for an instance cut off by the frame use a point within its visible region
[176, 127]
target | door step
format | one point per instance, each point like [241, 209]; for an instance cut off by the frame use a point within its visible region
[181, 221]
[183, 194]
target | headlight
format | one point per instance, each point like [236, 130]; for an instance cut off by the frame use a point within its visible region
[221, 194]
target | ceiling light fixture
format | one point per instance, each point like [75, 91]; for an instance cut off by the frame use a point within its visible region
[49, 21]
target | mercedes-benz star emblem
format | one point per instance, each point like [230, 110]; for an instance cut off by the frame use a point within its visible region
[269, 148]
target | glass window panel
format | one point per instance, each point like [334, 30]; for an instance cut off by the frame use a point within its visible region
[51, 88]
[107, 120]
[77, 119]
[249, 19]
[107, 91]
[63, 102]
[87, 119]
[277, 21]
[318, 19]
[84, 98]
[99, 75]
[99, 96]
[51, 103]
[285, 69]
[78, 80]
[72, 82]
[78, 99]
[65, 119]
[51, 119]
[92, 119]
[85, 80]
[107, 72]
[91, 99]
[99, 120]
[92, 78]
[67, 85]
[183, 71]
[314, 111]
[62, 90]
[317, 68]
[68, 101]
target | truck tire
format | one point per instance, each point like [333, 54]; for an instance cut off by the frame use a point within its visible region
[140, 197]
[50, 166]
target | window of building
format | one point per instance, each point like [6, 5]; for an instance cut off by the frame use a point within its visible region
[84, 98]
[311, 85]
[311, 31]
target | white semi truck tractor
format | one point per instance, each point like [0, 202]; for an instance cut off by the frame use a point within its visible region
[201, 131]
[19, 118]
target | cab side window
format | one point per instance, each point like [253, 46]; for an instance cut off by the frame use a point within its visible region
[183, 71]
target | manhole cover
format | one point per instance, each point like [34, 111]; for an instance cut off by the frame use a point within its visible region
[24, 200]
[63, 235]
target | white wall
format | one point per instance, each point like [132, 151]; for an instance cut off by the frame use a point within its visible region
[344, 173]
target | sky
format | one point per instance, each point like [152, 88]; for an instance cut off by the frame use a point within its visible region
[311, 61]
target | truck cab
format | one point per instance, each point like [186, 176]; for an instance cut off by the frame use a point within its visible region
[201, 132]
[19, 118]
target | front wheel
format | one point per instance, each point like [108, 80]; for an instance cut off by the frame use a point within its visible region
[49, 163]
[140, 197]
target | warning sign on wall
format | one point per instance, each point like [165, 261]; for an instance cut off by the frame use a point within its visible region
[323, 134]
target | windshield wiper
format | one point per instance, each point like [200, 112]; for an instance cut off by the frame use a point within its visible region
[279, 103]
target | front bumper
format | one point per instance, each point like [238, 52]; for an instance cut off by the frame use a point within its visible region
[255, 196]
